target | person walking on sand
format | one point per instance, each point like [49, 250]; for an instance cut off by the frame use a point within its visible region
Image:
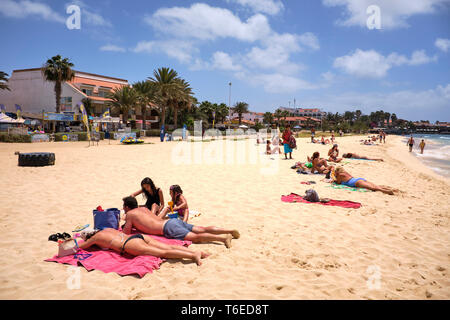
[286, 140]
[410, 143]
[422, 146]
[137, 245]
[138, 218]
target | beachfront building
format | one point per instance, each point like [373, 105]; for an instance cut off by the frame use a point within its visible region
[250, 117]
[303, 122]
[35, 95]
[301, 112]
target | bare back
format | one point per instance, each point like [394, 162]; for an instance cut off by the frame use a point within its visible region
[143, 220]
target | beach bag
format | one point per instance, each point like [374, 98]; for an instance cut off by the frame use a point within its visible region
[109, 218]
[67, 248]
[292, 143]
[311, 195]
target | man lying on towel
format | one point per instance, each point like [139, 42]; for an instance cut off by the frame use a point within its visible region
[137, 245]
[143, 220]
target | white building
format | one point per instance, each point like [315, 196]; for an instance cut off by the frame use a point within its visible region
[250, 116]
[301, 112]
[35, 95]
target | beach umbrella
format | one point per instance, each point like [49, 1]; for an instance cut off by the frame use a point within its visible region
[243, 126]
[297, 127]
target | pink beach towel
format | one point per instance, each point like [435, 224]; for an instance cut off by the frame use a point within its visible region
[111, 261]
[293, 197]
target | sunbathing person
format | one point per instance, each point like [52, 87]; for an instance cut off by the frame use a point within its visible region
[357, 156]
[319, 164]
[323, 141]
[344, 178]
[138, 218]
[138, 245]
[333, 154]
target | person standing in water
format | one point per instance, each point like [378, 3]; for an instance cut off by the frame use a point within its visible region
[422, 146]
[411, 143]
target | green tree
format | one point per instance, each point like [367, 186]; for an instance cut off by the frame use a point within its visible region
[268, 118]
[240, 108]
[146, 95]
[165, 81]
[4, 81]
[277, 115]
[58, 70]
[125, 99]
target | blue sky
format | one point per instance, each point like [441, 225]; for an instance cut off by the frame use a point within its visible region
[320, 53]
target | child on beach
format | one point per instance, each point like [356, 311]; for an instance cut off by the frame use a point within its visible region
[179, 204]
[422, 146]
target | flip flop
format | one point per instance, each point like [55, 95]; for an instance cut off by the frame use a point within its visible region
[80, 228]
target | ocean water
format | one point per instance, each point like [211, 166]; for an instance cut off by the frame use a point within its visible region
[436, 154]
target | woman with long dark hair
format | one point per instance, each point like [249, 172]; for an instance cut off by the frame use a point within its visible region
[154, 196]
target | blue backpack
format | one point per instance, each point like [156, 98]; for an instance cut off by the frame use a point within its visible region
[109, 218]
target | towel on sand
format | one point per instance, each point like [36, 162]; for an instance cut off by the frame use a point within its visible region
[293, 197]
[111, 261]
[341, 186]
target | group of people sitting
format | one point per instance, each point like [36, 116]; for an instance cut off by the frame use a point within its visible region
[151, 218]
[339, 175]
[324, 140]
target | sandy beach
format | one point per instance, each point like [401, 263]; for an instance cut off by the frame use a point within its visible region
[393, 247]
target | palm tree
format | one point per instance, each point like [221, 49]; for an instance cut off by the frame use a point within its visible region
[58, 70]
[284, 114]
[145, 91]
[183, 98]
[87, 105]
[277, 115]
[4, 81]
[268, 118]
[166, 85]
[240, 108]
[222, 112]
[125, 99]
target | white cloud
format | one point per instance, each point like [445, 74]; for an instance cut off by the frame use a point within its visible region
[371, 64]
[278, 83]
[112, 48]
[25, 8]
[268, 58]
[394, 13]
[271, 7]
[310, 40]
[223, 61]
[179, 50]
[204, 22]
[442, 44]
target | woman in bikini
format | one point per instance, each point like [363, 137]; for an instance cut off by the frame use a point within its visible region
[319, 164]
[137, 245]
[345, 178]
[333, 154]
[154, 196]
[356, 156]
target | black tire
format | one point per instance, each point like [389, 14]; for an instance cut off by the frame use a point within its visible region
[36, 159]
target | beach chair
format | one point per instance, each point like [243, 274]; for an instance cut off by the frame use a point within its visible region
[95, 137]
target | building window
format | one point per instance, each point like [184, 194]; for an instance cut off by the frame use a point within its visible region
[66, 104]
[103, 93]
[87, 91]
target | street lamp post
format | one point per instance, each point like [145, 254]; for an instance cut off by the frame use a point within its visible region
[229, 108]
